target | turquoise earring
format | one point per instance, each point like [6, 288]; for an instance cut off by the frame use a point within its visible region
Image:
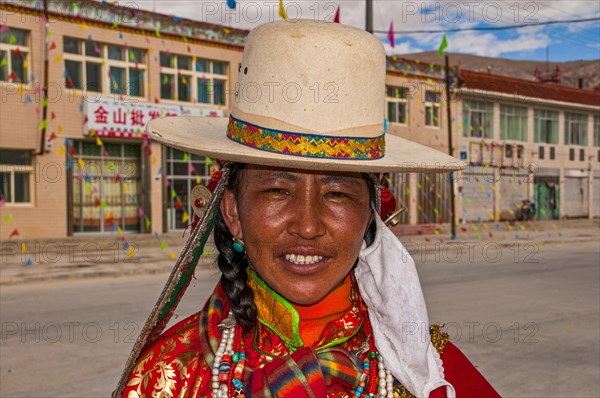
[238, 245]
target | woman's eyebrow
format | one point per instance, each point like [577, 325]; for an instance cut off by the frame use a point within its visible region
[340, 180]
[283, 175]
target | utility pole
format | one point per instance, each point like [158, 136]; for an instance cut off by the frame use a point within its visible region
[450, 150]
[45, 88]
[369, 13]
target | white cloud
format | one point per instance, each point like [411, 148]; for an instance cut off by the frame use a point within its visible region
[400, 48]
[412, 15]
[487, 44]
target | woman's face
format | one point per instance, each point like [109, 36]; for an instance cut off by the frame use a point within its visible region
[302, 230]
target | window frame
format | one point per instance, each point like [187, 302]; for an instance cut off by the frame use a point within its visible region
[193, 76]
[400, 99]
[513, 111]
[105, 63]
[25, 52]
[545, 115]
[597, 130]
[433, 105]
[476, 106]
[13, 169]
[571, 118]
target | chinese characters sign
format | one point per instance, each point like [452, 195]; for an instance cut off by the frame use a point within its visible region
[109, 119]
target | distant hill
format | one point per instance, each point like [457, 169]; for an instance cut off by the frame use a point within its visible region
[570, 72]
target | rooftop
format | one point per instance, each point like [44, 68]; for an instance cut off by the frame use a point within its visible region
[129, 17]
[525, 88]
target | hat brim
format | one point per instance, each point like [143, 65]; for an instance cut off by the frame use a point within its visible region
[207, 136]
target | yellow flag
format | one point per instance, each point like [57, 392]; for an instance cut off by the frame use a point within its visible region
[185, 217]
[98, 141]
[282, 13]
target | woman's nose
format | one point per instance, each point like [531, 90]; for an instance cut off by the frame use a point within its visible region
[306, 220]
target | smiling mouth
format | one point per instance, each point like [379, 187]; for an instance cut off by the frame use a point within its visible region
[300, 259]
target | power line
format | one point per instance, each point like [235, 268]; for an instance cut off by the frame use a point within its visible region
[479, 28]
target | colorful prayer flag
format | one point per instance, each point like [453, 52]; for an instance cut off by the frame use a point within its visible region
[336, 18]
[390, 35]
[282, 13]
[443, 46]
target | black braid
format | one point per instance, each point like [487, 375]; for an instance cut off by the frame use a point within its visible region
[372, 229]
[233, 265]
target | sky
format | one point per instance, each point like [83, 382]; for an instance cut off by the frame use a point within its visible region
[565, 42]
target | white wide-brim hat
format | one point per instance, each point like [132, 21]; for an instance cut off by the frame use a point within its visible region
[310, 95]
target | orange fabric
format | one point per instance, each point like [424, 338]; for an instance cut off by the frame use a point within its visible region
[314, 318]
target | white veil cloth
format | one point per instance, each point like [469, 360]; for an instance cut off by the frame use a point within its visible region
[389, 285]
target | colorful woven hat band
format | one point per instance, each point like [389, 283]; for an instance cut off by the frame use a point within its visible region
[306, 145]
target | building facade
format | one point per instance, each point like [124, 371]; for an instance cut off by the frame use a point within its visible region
[519, 140]
[80, 162]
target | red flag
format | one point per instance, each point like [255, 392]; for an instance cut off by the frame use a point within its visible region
[390, 35]
[52, 46]
[15, 232]
[52, 137]
[336, 18]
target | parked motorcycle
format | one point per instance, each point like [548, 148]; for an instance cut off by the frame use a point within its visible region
[527, 210]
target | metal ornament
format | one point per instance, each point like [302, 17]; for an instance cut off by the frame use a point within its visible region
[394, 218]
[200, 196]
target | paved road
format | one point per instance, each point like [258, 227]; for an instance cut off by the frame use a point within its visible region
[530, 321]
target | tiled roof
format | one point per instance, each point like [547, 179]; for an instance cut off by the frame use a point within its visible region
[129, 16]
[524, 88]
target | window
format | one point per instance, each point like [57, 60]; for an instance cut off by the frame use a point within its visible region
[541, 152]
[513, 122]
[396, 104]
[597, 130]
[14, 55]
[432, 109]
[576, 129]
[478, 119]
[184, 171]
[190, 79]
[545, 126]
[15, 176]
[88, 63]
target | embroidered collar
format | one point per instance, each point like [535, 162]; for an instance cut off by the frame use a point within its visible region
[280, 317]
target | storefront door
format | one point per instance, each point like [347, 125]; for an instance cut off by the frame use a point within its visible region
[106, 187]
[546, 198]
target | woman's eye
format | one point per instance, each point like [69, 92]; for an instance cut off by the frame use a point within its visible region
[276, 190]
[337, 195]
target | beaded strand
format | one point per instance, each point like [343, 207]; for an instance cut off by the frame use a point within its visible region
[222, 363]
[230, 360]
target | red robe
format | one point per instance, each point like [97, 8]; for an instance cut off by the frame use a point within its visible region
[178, 363]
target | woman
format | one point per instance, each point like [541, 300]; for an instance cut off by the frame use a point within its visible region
[317, 297]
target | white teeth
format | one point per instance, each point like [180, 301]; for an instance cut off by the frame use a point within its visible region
[300, 259]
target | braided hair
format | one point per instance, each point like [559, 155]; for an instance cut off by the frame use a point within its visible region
[233, 265]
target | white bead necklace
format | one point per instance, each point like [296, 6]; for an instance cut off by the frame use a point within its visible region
[221, 390]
